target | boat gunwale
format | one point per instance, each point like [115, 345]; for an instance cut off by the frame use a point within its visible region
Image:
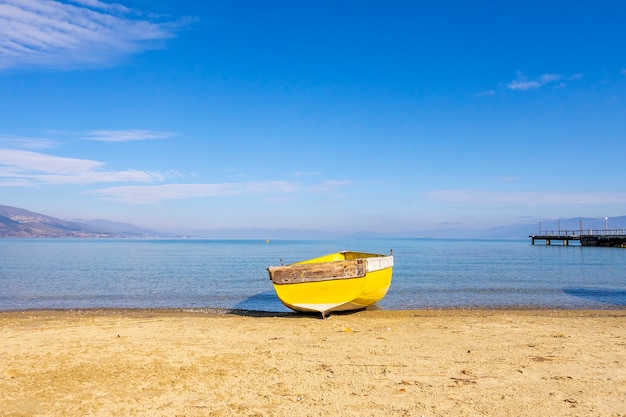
[347, 268]
[317, 272]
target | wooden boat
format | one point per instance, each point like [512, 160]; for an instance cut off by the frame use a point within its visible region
[336, 282]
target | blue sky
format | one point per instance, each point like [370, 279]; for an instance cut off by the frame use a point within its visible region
[374, 116]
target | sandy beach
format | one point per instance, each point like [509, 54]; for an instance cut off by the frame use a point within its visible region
[368, 363]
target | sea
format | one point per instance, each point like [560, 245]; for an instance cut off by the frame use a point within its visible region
[231, 275]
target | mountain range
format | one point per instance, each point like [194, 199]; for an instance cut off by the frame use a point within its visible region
[20, 223]
[17, 222]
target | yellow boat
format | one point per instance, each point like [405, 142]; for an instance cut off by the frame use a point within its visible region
[336, 282]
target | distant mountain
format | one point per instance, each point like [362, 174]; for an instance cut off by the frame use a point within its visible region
[514, 231]
[522, 231]
[260, 233]
[584, 223]
[124, 229]
[17, 222]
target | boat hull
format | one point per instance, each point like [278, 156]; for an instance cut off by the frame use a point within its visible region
[337, 282]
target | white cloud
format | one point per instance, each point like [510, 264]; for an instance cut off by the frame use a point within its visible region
[150, 194]
[126, 135]
[54, 34]
[548, 78]
[96, 4]
[25, 142]
[264, 187]
[153, 194]
[329, 186]
[91, 177]
[39, 162]
[525, 198]
[20, 167]
[309, 173]
[486, 93]
[523, 83]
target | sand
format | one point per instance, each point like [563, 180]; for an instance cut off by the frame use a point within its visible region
[368, 363]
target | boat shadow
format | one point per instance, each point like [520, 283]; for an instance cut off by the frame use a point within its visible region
[599, 295]
[287, 314]
[266, 304]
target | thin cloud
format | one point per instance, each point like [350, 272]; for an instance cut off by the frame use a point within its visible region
[525, 198]
[136, 194]
[308, 173]
[92, 177]
[95, 4]
[25, 142]
[548, 78]
[331, 185]
[54, 34]
[486, 93]
[27, 168]
[39, 162]
[126, 135]
[523, 83]
[151, 194]
[265, 187]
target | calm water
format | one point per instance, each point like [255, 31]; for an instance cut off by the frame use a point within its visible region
[231, 274]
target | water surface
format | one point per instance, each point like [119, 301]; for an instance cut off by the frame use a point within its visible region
[231, 274]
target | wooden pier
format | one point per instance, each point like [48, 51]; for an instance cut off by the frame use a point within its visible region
[606, 238]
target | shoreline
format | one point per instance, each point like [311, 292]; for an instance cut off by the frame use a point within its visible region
[220, 311]
[164, 362]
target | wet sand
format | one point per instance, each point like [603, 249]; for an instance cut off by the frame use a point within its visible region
[368, 363]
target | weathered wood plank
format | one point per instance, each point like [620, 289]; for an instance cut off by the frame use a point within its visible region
[298, 273]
